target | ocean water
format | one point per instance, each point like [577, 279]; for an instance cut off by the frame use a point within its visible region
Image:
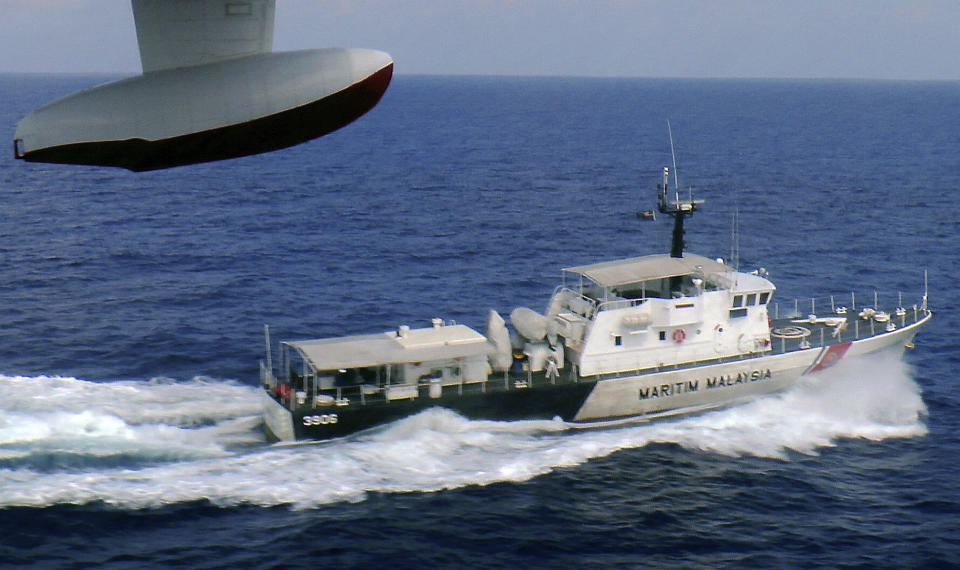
[133, 308]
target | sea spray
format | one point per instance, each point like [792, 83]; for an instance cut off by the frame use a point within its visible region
[155, 464]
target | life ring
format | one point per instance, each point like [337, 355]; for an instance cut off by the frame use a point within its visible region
[679, 335]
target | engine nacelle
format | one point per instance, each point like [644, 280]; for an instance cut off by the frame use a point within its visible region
[230, 108]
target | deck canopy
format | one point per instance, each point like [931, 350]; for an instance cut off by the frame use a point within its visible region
[622, 272]
[415, 345]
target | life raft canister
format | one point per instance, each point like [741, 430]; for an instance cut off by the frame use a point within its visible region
[679, 335]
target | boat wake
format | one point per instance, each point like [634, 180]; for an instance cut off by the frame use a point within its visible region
[147, 444]
[53, 424]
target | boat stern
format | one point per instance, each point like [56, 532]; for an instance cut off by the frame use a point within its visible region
[277, 419]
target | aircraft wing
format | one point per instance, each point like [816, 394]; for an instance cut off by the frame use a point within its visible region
[212, 88]
[184, 33]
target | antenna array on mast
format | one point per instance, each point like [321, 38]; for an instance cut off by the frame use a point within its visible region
[676, 208]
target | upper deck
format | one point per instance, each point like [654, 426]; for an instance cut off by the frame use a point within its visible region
[633, 270]
[661, 276]
[439, 343]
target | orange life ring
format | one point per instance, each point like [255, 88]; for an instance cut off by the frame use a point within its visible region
[679, 335]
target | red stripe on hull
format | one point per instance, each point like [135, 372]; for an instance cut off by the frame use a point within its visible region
[829, 356]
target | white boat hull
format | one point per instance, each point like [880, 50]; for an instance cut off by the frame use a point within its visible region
[701, 387]
[593, 402]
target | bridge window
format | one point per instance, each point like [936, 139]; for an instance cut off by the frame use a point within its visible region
[738, 300]
[764, 297]
[751, 299]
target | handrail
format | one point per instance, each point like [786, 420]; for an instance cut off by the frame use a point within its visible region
[364, 394]
[827, 304]
[862, 327]
[622, 303]
[576, 295]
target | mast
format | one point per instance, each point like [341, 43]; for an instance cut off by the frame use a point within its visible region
[678, 209]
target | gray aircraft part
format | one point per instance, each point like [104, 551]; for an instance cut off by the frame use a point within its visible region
[211, 89]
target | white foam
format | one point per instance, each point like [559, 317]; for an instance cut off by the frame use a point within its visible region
[871, 399]
[157, 420]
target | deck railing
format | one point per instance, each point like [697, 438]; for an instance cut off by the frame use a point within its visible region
[853, 301]
[803, 316]
[798, 330]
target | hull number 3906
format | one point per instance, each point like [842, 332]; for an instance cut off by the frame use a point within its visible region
[320, 420]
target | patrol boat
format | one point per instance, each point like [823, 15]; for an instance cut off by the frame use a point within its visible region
[620, 341]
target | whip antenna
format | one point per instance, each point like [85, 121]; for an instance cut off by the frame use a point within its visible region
[677, 209]
[735, 240]
[676, 183]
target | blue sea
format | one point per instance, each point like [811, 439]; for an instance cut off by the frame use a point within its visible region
[133, 307]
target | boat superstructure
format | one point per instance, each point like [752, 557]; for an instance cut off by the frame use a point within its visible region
[622, 340]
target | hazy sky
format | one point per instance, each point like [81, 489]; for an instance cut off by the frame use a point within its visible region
[883, 39]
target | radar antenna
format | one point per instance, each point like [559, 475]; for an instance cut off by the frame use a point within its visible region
[678, 209]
